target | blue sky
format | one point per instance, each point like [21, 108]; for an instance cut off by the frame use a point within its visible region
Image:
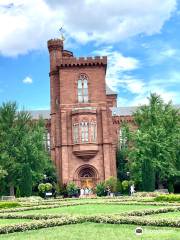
[141, 39]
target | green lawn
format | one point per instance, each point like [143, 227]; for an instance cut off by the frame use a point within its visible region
[90, 209]
[13, 221]
[92, 231]
[174, 215]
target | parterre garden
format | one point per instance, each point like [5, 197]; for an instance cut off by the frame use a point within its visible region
[90, 218]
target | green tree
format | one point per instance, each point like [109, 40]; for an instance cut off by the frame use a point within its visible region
[148, 176]
[155, 147]
[3, 173]
[26, 181]
[21, 142]
[122, 152]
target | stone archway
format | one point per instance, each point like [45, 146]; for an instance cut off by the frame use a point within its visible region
[86, 176]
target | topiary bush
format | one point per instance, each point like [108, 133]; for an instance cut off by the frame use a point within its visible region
[43, 188]
[100, 189]
[125, 186]
[48, 187]
[72, 189]
[111, 183]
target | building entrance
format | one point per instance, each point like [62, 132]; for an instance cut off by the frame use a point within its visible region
[87, 177]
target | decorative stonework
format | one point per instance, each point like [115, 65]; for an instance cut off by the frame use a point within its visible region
[81, 130]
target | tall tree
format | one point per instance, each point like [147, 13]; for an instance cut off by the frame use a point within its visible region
[21, 142]
[156, 142]
[122, 152]
[26, 181]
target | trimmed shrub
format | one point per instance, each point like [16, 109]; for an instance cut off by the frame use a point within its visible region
[48, 187]
[72, 189]
[32, 199]
[37, 224]
[44, 187]
[100, 189]
[9, 204]
[125, 186]
[111, 183]
[147, 194]
[152, 211]
[168, 198]
[64, 220]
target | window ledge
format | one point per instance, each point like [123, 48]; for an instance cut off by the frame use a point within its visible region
[85, 150]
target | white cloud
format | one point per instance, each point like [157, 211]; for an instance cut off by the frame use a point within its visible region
[27, 80]
[122, 78]
[118, 67]
[27, 24]
[162, 53]
[167, 87]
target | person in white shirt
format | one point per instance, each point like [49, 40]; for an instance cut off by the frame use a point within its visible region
[82, 192]
[132, 189]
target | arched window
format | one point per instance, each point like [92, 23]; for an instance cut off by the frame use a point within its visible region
[83, 89]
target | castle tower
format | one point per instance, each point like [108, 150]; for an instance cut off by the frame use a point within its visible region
[81, 122]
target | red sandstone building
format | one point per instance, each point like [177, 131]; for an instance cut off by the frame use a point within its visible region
[84, 118]
[84, 124]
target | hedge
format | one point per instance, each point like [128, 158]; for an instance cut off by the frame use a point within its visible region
[39, 207]
[32, 216]
[152, 211]
[135, 220]
[37, 224]
[168, 198]
[9, 204]
[51, 216]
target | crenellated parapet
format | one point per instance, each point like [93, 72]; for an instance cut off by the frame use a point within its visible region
[54, 44]
[82, 61]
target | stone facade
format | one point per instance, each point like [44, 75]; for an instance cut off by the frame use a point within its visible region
[82, 143]
[84, 122]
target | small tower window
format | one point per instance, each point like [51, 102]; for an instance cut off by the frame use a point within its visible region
[83, 89]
